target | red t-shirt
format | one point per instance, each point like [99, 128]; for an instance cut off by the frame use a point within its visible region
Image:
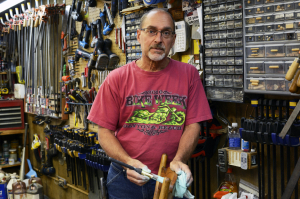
[148, 110]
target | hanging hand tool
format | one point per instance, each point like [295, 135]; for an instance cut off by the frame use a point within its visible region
[64, 27]
[114, 9]
[102, 60]
[113, 58]
[76, 13]
[106, 26]
[94, 34]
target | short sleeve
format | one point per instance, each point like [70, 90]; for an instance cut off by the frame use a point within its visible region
[106, 107]
[198, 109]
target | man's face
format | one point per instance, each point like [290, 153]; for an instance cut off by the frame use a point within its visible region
[156, 47]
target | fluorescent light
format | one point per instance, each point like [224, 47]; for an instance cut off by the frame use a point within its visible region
[8, 4]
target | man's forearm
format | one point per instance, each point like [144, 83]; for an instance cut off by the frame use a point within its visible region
[111, 145]
[188, 142]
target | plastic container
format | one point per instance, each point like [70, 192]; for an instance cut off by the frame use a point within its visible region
[230, 42]
[275, 84]
[214, 18]
[292, 50]
[291, 26]
[227, 93]
[250, 20]
[12, 180]
[249, 11]
[275, 51]
[210, 80]
[269, 1]
[238, 81]
[37, 179]
[256, 84]
[5, 146]
[223, 52]
[279, 8]
[230, 69]
[234, 137]
[208, 61]
[214, 8]
[230, 51]
[207, 27]
[230, 60]
[238, 15]
[230, 33]
[35, 190]
[207, 44]
[230, 24]
[223, 61]
[238, 69]
[269, 18]
[259, 29]
[208, 52]
[219, 80]
[5, 154]
[259, 37]
[279, 36]
[229, 15]
[228, 81]
[255, 67]
[214, 1]
[215, 52]
[222, 43]
[269, 9]
[207, 10]
[291, 35]
[269, 28]
[258, 2]
[238, 60]
[250, 29]
[19, 190]
[222, 8]
[274, 67]
[238, 5]
[238, 24]
[13, 154]
[215, 61]
[255, 51]
[208, 35]
[260, 19]
[249, 3]
[297, 15]
[238, 42]
[223, 69]
[269, 37]
[259, 10]
[250, 38]
[222, 16]
[289, 6]
[289, 16]
[238, 51]
[207, 18]
[229, 6]
[222, 25]
[279, 26]
[208, 69]
[238, 33]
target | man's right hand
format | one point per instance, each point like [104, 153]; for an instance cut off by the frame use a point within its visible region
[135, 177]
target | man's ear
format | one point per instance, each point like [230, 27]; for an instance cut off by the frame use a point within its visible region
[174, 38]
[138, 35]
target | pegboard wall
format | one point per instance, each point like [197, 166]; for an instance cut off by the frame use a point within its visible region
[93, 15]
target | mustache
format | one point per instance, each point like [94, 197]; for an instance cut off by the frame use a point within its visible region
[158, 46]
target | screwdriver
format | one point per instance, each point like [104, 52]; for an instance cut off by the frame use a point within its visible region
[140, 171]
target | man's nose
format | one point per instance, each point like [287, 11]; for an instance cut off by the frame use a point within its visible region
[158, 37]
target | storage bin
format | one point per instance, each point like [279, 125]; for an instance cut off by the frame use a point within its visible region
[223, 34]
[223, 69]
[208, 69]
[230, 15]
[238, 81]
[269, 9]
[256, 84]
[279, 27]
[216, 69]
[255, 51]
[238, 42]
[207, 9]
[259, 29]
[255, 67]
[230, 69]
[230, 24]
[214, 8]
[275, 84]
[223, 61]
[215, 61]
[229, 6]
[206, 1]
[297, 15]
[238, 60]
[279, 8]
[269, 28]
[250, 11]
[291, 26]
[210, 92]
[238, 51]
[215, 35]
[279, 36]
[209, 80]
[207, 27]
[238, 15]
[249, 2]
[269, 37]
[269, 18]
[230, 60]
[214, 1]
[230, 51]
[223, 52]
[258, 2]
[223, 43]
[218, 93]
[289, 6]
[274, 67]
[289, 16]
[214, 26]
[208, 52]
[250, 20]
[250, 38]
[208, 35]
[222, 7]
[238, 24]
[259, 10]
[260, 19]
[228, 81]
[238, 69]
[238, 33]
[208, 44]
[222, 25]
[215, 18]
[238, 5]
[208, 60]
[250, 29]
[219, 80]
[222, 16]
[259, 37]
[279, 17]
[230, 33]
[238, 94]
[215, 52]
[275, 51]
[230, 42]
[291, 35]
[292, 50]
[215, 43]
[207, 18]
[297, 5]
[228, 93]
[269, 1]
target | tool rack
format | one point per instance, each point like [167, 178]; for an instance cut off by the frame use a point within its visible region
[223, 50]
[271, 44]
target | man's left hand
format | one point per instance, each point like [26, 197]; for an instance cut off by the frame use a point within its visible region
[176, 166]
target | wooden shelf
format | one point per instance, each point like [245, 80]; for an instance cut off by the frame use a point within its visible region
[4, 73]
[8, 166]
[12, 132]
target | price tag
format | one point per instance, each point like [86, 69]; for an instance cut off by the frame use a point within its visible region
[244, 161]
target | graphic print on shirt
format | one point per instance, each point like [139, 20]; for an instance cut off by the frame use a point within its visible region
[165, 116]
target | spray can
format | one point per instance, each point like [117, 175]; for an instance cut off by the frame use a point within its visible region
[19, 190]
[35, 191]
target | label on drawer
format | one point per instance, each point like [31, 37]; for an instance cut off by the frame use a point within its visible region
[279, 16]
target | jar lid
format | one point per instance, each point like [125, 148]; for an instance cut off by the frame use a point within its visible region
[12, 150]
[34, 181]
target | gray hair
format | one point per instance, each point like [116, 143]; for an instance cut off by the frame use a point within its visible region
[156, 10]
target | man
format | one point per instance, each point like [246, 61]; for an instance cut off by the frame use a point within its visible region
[149, 107]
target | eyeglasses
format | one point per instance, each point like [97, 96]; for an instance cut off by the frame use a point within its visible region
[152, 32]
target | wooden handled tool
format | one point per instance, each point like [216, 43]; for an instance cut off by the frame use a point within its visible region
[293, 88]
[292, 70]
[163, 163]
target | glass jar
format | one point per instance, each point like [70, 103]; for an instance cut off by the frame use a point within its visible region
[13, 154]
